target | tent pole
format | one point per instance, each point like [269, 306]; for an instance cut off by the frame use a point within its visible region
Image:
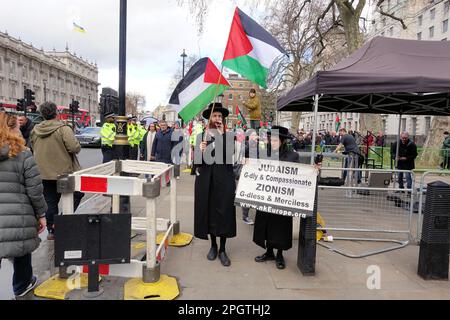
[398, 141]
[316, 123]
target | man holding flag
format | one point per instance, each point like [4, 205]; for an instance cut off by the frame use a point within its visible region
[253, 105]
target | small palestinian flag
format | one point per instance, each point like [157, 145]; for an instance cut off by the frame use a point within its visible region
[199, 87]
[241, 119]
[251, 50]
[338, 123]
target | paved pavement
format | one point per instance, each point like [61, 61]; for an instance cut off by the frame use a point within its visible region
[337, 277]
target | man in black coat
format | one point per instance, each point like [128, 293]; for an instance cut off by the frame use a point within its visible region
[275, 231]
[215, 186]
[26, 126]
[406, 158]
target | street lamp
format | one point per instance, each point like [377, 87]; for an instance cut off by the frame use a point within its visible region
[184, 56]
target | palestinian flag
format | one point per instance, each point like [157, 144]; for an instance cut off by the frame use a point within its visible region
[338, 123]
[251, 50]
[241, 119]
[199, 87]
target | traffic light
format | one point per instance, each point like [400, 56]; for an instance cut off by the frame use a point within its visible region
[21, 105]
[29, 97]
[74, 107]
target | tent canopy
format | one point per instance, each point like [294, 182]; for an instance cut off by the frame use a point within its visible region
[388, 76]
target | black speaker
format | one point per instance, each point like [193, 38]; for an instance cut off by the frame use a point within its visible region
[307, 243]
[435, 242]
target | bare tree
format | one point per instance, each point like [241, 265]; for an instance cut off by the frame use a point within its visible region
[134, 102]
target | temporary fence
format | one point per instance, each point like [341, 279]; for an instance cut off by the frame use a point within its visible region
[373, 210]
[426, 178]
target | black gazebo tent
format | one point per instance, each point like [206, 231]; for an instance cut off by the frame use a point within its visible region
[385, 76]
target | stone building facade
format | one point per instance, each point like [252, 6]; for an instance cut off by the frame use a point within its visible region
[53, 76]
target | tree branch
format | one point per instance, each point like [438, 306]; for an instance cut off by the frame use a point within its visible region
[384, 13]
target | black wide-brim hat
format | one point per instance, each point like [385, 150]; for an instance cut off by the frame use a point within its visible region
[218, 107]
[282, 132]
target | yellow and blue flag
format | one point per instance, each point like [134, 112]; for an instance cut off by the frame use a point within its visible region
[78, 28]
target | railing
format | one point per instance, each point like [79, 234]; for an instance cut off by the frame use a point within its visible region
[371, 212]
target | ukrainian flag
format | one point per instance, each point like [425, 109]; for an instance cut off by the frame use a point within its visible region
[78, 28]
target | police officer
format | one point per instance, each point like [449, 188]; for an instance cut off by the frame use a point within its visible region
[108, 134]
[134, 140]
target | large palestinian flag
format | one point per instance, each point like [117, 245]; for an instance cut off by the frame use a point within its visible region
[199, 87]
[251, 50]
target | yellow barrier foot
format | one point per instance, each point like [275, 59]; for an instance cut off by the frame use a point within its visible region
[178, 240]
[165, 289]
[56, 288]
[186, 171]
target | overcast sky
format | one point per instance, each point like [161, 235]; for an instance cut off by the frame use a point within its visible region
[158, 31]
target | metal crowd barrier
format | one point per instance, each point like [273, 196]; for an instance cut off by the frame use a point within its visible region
[105, 180]
[373, 211]
[422, 196]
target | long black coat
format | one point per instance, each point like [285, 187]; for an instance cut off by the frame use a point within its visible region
[215, 187]
[273, 230]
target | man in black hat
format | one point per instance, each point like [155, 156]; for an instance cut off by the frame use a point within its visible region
[215, 213]
[108, 134]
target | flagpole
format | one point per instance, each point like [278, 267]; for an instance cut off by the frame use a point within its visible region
[214, 103]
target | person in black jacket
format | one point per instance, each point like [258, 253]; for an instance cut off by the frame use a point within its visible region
[275, 231]
[406, 158]
[26, 126]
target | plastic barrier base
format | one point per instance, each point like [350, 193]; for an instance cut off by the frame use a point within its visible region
[178, 240]
[165, 289]
[57, 289]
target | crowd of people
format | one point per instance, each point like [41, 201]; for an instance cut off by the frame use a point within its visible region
[32, 158]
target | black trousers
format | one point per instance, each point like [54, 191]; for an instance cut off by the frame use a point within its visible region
[52, 197]
[134, 153]
[23, 273]
[108, 154]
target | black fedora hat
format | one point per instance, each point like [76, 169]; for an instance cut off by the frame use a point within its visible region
[218, 107]
[282, 132]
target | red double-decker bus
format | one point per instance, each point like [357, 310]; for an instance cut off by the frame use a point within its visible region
[82, 118]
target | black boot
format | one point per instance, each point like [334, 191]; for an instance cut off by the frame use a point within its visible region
[212, 255]
[279, 261]
[224, 259]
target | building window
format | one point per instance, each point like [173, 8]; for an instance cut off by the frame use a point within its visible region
[427, 125]
[431, 32]
[432, 14]
[241, 85]
[414, 126]
[446, 7]
[13, 91]
[12, 67]
[403, 125]
[230, 96]
[391, 31]
[419, 36]
[445, 26]
[420, 20]
[24, 72]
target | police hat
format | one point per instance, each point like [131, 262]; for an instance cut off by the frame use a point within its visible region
[110, 115]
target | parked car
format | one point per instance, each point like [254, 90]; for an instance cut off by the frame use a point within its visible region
[90, 137]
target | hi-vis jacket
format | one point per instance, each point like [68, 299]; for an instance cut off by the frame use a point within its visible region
[108, 134]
